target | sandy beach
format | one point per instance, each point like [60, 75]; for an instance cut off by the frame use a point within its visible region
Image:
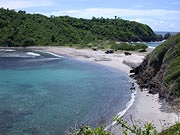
[146, 108]
[115, 60]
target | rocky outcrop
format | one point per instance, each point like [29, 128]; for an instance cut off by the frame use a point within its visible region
[167, 35]
[160, 71]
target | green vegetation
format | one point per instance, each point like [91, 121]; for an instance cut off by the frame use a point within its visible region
[160, 71]
[87, 130]
[22, 29]
[148, 129]
[126, 129]
[173, 130]
[129, 47]
[172, 56]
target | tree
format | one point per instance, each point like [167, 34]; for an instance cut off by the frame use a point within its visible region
[53, 38]
[6, 42]
[29, 42]
[19, 26]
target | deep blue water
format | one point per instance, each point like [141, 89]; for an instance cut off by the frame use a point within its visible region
[164, 32]
[157, 43]
[46, 95]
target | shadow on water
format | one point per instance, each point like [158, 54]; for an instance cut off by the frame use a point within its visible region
[6, 121]
[9, 117]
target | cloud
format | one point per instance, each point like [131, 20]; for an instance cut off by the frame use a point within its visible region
[137, 20]
[152, 17]
[161, 22]
[175, 3]
[111, 12]
[18, 4]
[157, 19]
[138, 6]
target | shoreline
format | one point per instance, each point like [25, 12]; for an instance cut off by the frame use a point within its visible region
[146, 107]
[118, 61]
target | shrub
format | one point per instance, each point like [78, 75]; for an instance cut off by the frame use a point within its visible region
[122, 46]
[82, 129]
[140, 46]
[148, 129]
[129, 47]
[173, 130]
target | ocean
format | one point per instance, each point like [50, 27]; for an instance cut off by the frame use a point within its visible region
[46, 94]
[164, 32]
[157, 43]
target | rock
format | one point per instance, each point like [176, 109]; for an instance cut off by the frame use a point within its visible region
[94, 48]
[132, 87]
[103, 59]
[127, 53]
[131, 64]
[159, 72]
[109, 51]
[167, 35]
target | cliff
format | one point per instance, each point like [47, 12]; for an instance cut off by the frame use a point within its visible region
[160, 71]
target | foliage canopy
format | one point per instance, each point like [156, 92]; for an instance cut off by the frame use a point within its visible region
[23, 29]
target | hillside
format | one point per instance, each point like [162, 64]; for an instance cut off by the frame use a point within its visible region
[22, 29]
[160, 71]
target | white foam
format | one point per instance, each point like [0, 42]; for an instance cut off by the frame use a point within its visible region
[128, 105]
[33, 54]
[7, 50]
[151, 47]
[44, 60]
[59, 56]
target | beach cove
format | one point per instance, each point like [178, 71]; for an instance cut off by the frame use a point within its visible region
[147, 108]
[46, 93]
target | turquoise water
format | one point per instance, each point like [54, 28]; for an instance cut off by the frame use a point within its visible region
[46, 95]
[157, 43]
[151, 44]
[154, 44]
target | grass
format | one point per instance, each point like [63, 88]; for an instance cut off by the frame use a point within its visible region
[173, 130]
[129, 47]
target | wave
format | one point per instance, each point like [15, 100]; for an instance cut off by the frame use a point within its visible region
[7, 50]
[59, 56]
[128, 105]
[151, 47]
[33, 54]
[16, 54]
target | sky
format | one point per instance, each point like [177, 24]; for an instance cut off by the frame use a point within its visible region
[160, 15]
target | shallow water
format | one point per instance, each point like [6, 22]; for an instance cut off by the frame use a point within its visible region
[45, 95]
[154, 44]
